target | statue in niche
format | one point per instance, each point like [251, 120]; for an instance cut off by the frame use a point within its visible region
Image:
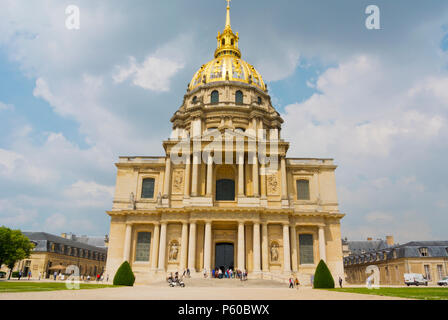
[174, 250]
[274, 252]
[132, 201]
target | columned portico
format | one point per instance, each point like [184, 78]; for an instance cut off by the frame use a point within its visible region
[155, 247]
[264, 247]
[184, 246]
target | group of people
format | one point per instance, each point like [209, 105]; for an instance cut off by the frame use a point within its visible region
[228, 273]
[294, 283]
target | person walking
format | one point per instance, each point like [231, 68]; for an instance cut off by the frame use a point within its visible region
[29, 275]
[340, 281]
[291, 283]
[40, 275]
[55, 274]
[297, 283]
[20, 274]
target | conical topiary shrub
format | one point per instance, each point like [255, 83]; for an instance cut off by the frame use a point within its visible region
[124, 275]
[323, 278]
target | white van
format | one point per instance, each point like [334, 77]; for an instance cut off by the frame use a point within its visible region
[416, 279]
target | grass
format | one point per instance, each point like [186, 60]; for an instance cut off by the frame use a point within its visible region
[410, 293]
[25, 286]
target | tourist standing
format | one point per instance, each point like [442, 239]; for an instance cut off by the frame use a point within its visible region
[40, 275]
[29, 275]
[55, 274]
[291, 283]
[340, 281]
[20, 274]
[297, 283]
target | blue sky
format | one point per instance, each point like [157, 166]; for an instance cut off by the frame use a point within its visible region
[376, 101]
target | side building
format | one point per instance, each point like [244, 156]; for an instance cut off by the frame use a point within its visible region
[429, 258]
[54, 254]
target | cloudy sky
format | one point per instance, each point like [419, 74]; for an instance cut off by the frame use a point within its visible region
[72, 101]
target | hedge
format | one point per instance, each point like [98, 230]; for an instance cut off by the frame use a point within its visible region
[124, 275]
[323, 278]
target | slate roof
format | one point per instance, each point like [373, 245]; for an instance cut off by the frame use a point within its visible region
[360, 247]
[43, 239]
[411, 249]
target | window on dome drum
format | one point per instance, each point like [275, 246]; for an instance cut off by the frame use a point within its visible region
[260, 101]
[232, 42]
[195, 99]
[223, 42]
[148, 188]
[239, 97]
[306, 249]
[225, 190]
[215, 97]
[423, 252]
[303, 190]
[143, 246]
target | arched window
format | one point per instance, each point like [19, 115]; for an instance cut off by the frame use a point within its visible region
[195, 99]
[225, 190]
[148, 188]
[238, 97]
[303, 190]
[223, 41]
[306, 249]
[260, 101]
[215, 97]
[232, 42]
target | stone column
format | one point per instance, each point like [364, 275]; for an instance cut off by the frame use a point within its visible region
[263, 182]
[255, 175]
[264, 248]
[127, 243]
[162, 246]
[256, 244]
[241, 174]
[187, 177]
[322, 247]
[208, 246]
[184, 247]
[241, 251]
[209, 175]
[192, 248]
[166, 185]
[155, 247]
[194, 179]
[293, 235]
[284, 180]
[286, 250]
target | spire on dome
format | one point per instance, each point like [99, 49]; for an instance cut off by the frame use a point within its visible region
[228, 15]
[228, 41]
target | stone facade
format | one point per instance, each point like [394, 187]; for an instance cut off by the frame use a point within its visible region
[264, 220]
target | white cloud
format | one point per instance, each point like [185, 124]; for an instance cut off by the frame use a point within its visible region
[89, 194]
[6, 107]
[153, 74]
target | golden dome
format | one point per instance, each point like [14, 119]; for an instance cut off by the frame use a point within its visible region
[227, 65]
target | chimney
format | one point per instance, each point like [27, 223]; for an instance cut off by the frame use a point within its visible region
[390, 240]
[369, 239]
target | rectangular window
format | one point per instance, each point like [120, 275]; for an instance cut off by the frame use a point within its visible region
[427, 272]
[440, 271]
[306, 249]
[303, 190]
[148, 188]
[143, 246]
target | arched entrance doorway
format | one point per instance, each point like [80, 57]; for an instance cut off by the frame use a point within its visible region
[224, 256]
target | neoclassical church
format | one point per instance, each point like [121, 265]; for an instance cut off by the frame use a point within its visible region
[273, 218]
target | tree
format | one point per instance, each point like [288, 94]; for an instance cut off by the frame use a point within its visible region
[323, 278]
[14, 246]
[124, 275]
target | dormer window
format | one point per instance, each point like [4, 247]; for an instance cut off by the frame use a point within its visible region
[423, 252]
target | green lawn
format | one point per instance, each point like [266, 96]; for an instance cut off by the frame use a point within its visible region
[25, 286]
[410, 293]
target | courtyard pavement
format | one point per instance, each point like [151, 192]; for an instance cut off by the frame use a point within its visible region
[196, 290]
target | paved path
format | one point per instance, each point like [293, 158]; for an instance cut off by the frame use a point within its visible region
[196, 290]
